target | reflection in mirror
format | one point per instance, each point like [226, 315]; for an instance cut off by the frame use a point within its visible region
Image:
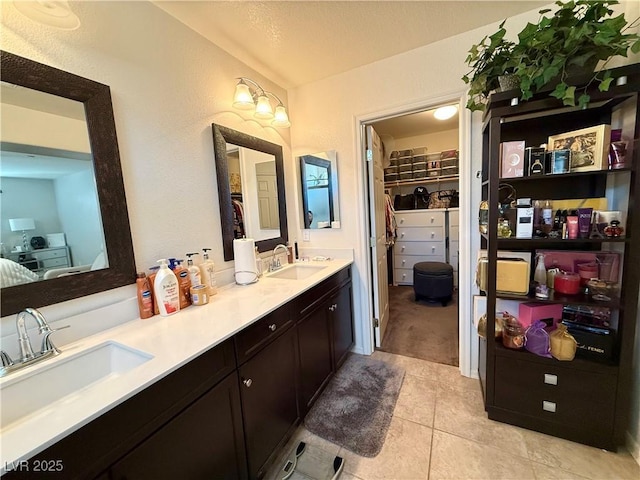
[319, 176]
[47, 177]
[65, 179]
[250, 176]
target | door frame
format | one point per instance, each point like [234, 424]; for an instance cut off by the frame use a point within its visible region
[466, 350]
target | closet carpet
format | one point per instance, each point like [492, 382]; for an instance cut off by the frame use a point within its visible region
[421, 329]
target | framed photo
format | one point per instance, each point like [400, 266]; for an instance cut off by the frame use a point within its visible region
[588, 146]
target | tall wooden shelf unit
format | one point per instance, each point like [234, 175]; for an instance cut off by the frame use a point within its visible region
[591, 399]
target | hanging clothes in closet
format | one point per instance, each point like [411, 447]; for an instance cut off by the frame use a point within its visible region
[390, 220]
[238, 218]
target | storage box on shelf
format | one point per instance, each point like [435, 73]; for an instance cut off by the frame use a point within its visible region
[541, 393]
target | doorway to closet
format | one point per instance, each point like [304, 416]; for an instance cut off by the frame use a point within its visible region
[420, 161]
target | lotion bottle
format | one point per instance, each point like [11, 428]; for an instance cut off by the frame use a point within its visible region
[184, 284]
[194, 272]
[166, 289]
[208, 273]
[145, 298]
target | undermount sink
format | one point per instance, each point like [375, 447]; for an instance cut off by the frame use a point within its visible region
[297, 271]
[28, 394]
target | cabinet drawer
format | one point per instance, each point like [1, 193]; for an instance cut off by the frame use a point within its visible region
[308, 300]
[56, 253]
[403, 276]
[250, 340]
[556, 394]
[420, 234]
[408, 261]
[454, 218]
[420, 248]
[453, 232]
[420, 219]
[54, 262]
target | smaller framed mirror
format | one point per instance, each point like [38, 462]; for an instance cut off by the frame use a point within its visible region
[319, 177]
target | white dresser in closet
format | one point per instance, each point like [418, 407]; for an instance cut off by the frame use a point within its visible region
[420, 238]
[453, 224]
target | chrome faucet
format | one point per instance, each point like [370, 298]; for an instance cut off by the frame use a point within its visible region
[27, 356]
[275, 261]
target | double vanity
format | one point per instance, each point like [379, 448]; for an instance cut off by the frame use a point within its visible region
[212, 392]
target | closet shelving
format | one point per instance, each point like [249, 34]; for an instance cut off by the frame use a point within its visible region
[590, 399]
[421, 181]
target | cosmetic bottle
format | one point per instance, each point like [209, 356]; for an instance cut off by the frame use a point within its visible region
[153, 271]
[194, 272]
[166, 290]
[184, 284]
[145, 298]
[208, 273]
[547, 218]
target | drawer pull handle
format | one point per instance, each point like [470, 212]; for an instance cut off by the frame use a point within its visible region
[433, 234]
[550, 379]
[433, 249]
[549, 406]
[273, 327]
[432, 219]
[403, 248]
[402, 234]
[247, 382]
[404, 261]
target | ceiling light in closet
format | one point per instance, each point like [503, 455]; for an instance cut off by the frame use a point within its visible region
[445, 113]
[248, 98]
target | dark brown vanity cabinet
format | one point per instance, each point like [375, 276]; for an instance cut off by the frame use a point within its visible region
[204, 441]
[268, 392]
[325, 334]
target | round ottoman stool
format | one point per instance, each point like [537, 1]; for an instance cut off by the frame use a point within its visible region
[433, 281]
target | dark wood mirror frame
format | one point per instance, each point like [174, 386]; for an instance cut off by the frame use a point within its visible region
[96, 98]
[222, 136]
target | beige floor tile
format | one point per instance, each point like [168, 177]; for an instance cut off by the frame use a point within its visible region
[544, 472]
[412, 366]
[451, 376]
[461, 412]
[404, 456]
[457, 458]
[589, 462]
[417, 400]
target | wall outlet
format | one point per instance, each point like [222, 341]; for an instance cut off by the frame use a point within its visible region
[306, 236]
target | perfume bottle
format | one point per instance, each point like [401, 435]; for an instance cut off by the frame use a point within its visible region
[504, 229]
[612, 230]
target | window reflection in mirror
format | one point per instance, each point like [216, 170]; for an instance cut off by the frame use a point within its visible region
[319, 176]
[254, 193]
[48, 176]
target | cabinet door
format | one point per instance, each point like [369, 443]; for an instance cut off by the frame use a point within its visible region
[342, 324]
[314, 347]
[205, 441]
[269, 405]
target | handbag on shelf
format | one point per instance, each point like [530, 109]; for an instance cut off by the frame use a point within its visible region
[422, 198]
[404, 202]
[444, 199]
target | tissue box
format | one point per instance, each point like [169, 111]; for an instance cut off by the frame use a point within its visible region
[56, 240]
[550, 313]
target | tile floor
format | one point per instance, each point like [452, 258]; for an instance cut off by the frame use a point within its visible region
[439, 430]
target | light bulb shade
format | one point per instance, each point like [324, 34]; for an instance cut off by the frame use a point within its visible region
[243, 99]
[281, 118]
[263, 108]
[445, 113]
[52, 13]
[20, 224]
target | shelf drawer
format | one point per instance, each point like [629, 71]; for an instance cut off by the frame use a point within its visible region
[403, 276]
[420, 248]
[453, 232]
[556, 394]
[45, 255]
[54, 262]
[420, 234]
[421, 218]
[454, 218]
[408, 261]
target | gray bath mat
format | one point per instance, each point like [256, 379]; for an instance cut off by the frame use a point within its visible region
[356, 408]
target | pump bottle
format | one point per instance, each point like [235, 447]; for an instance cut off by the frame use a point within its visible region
[208, 273]
[166, 290]
[194, 272]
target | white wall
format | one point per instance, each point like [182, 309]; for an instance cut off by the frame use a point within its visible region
[168, 86]
[435, 142]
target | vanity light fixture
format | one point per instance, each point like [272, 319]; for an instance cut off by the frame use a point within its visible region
[53, 13]
[22, 225]
[445, 113]
[257, 98]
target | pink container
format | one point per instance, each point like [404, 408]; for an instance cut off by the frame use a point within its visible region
[587, 271]
[567, 283]
[549, 313]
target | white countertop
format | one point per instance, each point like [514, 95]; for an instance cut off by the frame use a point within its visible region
[172, 341]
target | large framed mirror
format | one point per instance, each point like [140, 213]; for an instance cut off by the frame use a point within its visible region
[250, 174]
[319, 182]
[65, 200]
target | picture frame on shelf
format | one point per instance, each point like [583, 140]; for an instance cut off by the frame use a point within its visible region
[512, 159]
[589, 147]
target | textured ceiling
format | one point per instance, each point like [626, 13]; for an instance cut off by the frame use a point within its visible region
[297, 42]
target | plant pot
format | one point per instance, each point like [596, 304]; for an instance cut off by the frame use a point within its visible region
[508, 82]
